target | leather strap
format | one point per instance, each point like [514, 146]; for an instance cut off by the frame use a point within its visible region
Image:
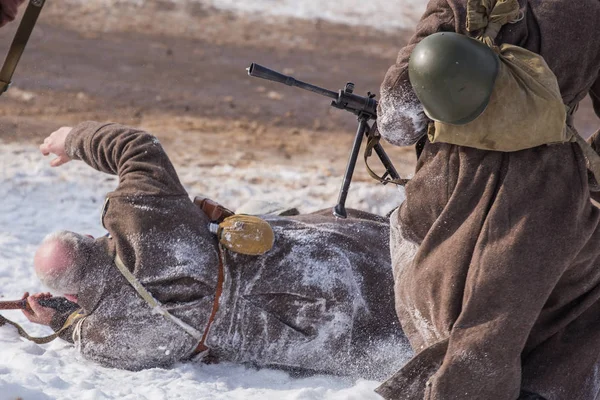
[373, 138]
[19, 42]
[74, 317]
[214, 211]
[156, 306]
[220, 279]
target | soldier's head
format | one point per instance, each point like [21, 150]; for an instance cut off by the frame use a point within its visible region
[60, 259]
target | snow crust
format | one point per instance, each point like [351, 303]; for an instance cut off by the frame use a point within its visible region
[379, 14]
[376, 13]
[37, 200]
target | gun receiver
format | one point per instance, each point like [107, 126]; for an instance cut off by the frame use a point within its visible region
[365, 108]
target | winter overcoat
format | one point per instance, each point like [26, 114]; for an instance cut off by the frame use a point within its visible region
[320, 300]
[496, 255]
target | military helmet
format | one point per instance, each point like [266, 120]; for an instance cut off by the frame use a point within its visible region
[453, 76]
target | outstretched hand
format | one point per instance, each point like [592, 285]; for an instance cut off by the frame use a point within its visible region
[38, 314]
[55, 144]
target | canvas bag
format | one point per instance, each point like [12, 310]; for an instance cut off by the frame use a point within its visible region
[526, 108]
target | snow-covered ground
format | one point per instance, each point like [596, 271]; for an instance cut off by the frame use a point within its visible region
[36, 200]
[381, 14]
[376, 13]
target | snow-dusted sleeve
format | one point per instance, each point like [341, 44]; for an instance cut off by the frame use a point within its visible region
[400, 118]
[135, 156]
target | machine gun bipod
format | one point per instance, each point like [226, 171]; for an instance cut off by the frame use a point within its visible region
[365, 108]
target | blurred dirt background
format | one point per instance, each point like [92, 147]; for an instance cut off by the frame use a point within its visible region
[178, 70]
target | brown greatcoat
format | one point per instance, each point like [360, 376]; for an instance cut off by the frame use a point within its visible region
[496, 255]
[320, 300]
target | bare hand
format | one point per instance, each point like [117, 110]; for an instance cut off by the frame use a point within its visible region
[39, 314]
[55, 144]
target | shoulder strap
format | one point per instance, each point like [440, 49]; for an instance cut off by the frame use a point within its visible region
[74, 317]
[152, 302]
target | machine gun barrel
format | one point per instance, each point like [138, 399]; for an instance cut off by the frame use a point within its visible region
[345, 99]
[258, 71]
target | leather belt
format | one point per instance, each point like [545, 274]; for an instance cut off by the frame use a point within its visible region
[216, 213]
[221, 277]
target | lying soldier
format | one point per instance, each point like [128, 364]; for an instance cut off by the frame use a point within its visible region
[321, 299]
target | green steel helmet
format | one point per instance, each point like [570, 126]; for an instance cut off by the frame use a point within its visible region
[453, 76]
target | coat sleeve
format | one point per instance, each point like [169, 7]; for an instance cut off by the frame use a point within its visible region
[400, 117]
[135, 156]
[8, 10]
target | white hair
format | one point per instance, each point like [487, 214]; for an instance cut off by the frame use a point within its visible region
[77, 248]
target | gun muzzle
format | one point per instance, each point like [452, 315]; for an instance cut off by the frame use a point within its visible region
[258, 71]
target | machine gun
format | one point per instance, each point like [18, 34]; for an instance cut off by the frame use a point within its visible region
[365, 108]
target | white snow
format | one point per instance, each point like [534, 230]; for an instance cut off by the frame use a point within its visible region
[380, 14]
[376, 13]
[36, 200]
